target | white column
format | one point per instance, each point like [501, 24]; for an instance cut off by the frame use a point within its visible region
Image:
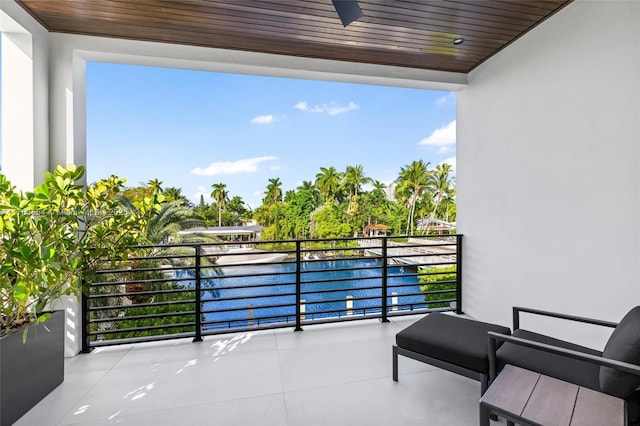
[40, 107]
[67, 118]
[67, 100]
[24, 103]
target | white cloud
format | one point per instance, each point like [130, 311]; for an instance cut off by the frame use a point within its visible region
[247, 165]
[332, 108]
[442, 136]
[263, 119]
[337, 109]
[448, 99]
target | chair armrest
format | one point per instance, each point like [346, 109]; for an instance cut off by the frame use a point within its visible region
[518, 309]
[607, 362]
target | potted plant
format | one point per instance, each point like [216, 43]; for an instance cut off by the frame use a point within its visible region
[51, 240]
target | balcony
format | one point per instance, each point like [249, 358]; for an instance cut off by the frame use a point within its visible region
[194, 290]
[534, 147]
[528, 140]
[330, 374]
[205, 357]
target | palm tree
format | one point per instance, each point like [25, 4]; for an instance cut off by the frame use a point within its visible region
[413, 180]
[156, 185]
[237, 206]
[440, 183]
[171, 218]
[164, 223]
[376, 200]
[447, 208]
[219, 194]
[289, 195]
[175, 194]
[309, 187]
[397, 213]
[328, 183]
[273, 194]
[378, 190]
[306, 185]
[353, 179]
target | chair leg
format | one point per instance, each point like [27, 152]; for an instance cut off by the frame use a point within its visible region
[484, 384]
[484, 416]
[395, 363]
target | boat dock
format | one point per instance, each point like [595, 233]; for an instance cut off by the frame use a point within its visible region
[415, 252]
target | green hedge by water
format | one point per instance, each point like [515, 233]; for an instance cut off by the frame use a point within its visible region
[435, 280]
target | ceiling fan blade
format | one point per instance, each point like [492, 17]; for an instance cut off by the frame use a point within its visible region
[348, 11]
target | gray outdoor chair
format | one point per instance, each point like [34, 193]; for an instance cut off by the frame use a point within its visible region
[614, 371]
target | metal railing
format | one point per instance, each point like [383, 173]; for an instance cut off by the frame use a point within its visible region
[193, 290]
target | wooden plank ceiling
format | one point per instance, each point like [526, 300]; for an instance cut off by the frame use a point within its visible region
[406, 33]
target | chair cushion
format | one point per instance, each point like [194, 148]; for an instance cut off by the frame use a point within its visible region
[459, 341]
[623, 345]
[558, 366]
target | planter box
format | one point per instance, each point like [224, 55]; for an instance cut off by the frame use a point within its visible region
[30, 371]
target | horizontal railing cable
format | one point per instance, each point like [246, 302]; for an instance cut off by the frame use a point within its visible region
[193, 290]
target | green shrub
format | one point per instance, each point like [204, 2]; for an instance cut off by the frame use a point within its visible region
[437, 279]
[171, 317]
[52, 239]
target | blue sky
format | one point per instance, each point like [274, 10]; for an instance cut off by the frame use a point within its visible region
[191, 129]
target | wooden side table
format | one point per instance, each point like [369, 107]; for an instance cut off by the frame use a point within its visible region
[530, 398]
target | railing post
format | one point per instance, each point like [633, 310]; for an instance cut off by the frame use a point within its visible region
[349, 305]
[86, 316]
[298, 288]
[459, 310]
[385, 274]
[198, 334]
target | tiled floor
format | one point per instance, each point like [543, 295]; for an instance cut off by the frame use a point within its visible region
[336, 374]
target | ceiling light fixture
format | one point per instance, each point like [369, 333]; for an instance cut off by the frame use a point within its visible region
[458, 40]
[348, 11]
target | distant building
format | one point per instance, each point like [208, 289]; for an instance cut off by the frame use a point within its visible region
[435, 225]
[235, 233]
[377, 230]
[390, 191]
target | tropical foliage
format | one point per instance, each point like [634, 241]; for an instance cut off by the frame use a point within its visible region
[437, 280]
[54, 238]
[332, 204]
[221, 196]
[412, 182]
[171, 304]
[338, 204]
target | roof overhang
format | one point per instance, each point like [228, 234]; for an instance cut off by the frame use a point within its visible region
[410, 34]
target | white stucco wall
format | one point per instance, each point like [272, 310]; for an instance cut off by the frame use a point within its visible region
[548, 170]
[25, 108]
